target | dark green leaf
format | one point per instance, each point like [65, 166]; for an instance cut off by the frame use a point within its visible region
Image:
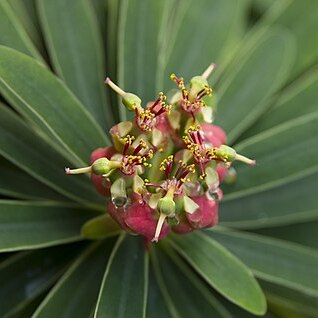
[203, 32]
[195, 300]
[222, 270]
[292, 303]
[13, 33]
[244, 92]
[29, 22]
[273, 260]
[156, 306]
[76, 50]
[298, 99]
[125, 284]
[300, 17]
[302, 232]
[31, 153]
[25, 275]
[76, 293]
[25, 225]
[286, 204]
[138, 46]
[284, 153]
[46, 102]
[16, 183]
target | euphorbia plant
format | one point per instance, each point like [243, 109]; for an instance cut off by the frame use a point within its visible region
[159, 165]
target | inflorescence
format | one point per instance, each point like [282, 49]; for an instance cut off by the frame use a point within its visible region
[164, 169]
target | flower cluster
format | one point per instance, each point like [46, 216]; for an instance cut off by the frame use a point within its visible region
[164, 169]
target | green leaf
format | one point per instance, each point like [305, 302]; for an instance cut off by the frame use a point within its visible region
[26, 275]
[138, 46]
[304, 233]
[25, 225]
[29, 22]
[286, 204]
[195, 300]
[294, 302]
[100, 227]
[16, 183]
[302, 92]
[125, 284]
[76, 50]
[276, 261]
[222, 270]
[301, 19]
[157, 306]
[200, 36]
[284, 153]
[244, 92]
[13, 33]
[31, 153]
[76, 293]
[46, 102]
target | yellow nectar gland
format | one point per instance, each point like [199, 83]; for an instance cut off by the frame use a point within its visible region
[191, 103]
[146, 119]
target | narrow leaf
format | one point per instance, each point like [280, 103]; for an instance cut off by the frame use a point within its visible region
[203, 32]
[138, 46]
[304, 233]
[273, 260]
[45, 101]
[290, 203]
[31, 153]
[76, 50]
[222, 270]
[125, 284]
[300, 17]
[26, 275]
[298, 304]
[195, 300]
[244, 92]
[29, 21]
[156, 304]
[14, 182]
[13, 33]
[25, 225]
[284, 153]
[302, 92]
[76, 293]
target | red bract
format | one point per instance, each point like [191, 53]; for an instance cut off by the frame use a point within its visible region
[137, 217]
[214, 135]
